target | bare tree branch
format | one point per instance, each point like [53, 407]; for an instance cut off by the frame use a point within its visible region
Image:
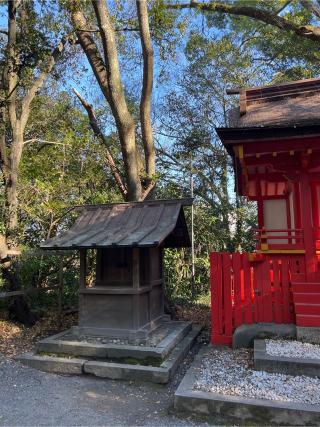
[310, 32]
[42, 141]
[100, 135]
[37, 85]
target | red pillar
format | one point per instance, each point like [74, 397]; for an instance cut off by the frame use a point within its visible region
[307, 225]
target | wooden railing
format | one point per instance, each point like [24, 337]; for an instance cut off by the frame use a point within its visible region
[269, 239]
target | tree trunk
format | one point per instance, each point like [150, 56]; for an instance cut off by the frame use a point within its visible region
[12, 181]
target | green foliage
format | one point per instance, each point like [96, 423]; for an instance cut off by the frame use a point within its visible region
[64, 168]
[36, 270]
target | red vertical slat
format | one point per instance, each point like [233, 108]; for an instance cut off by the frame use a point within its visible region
[255, 278]
[238, 319]
[220, 325]
[216, 286]
[266, 291]
[285, 291]
[247, 289]
[278, 303]
[227, 303]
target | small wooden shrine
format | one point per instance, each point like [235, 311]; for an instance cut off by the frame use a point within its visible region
[274, 142]
[126, 300]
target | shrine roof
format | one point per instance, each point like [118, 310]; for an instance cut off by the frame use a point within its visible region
[292, 103]
[139, 224]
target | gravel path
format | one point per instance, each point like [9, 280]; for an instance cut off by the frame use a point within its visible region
[32, 398]
[292, 349]
[231, 373]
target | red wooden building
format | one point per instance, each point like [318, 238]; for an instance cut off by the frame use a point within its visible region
[274, 141]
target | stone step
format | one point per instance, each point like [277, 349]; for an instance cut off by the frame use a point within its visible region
[157, 374]
[58, 344]
[58, 365]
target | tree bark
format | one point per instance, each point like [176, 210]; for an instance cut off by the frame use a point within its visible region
[108, 76]
[146, 94]
[107, 72]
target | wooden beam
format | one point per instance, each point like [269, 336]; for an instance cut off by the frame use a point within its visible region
[83, 268]
[136, 268]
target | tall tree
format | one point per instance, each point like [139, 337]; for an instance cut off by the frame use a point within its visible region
[28, 60]
[106, 68]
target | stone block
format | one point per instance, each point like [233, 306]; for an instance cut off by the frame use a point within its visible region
[283, 365]
[245, 335]
[58, 365]
[308, 334]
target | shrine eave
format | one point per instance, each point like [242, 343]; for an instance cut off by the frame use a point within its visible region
[233, 136]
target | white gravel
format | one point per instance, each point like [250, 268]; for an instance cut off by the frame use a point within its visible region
[230, 372]
[295, 349]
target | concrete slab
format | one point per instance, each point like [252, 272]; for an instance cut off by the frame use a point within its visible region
[59, 365]
[243, 409]
[283, 365]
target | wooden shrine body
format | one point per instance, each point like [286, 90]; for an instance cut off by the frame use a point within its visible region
[127, 242]
[127, 298]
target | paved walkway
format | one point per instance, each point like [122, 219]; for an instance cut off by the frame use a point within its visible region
[32, 398]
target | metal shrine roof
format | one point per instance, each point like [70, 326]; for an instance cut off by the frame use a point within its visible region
[141, 224]
[293, 103]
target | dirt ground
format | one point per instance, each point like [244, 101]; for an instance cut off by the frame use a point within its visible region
[32, 398]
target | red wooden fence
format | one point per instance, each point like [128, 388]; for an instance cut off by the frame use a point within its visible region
[247, 289]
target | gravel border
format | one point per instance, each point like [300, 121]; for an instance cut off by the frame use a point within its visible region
[243, 409]
[294, 349]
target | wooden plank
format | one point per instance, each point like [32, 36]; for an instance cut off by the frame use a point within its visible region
[306, 288]
[277, 301]
[219, 295]
[214, 286]
[307, 321]
[304, 298]
[236, 265]
[136, 268]
[10, 294]
[285, 291]
[309, 309]
[266, 291]
[227, 302]
[83, 268]
[256, 279]
[248, 315]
